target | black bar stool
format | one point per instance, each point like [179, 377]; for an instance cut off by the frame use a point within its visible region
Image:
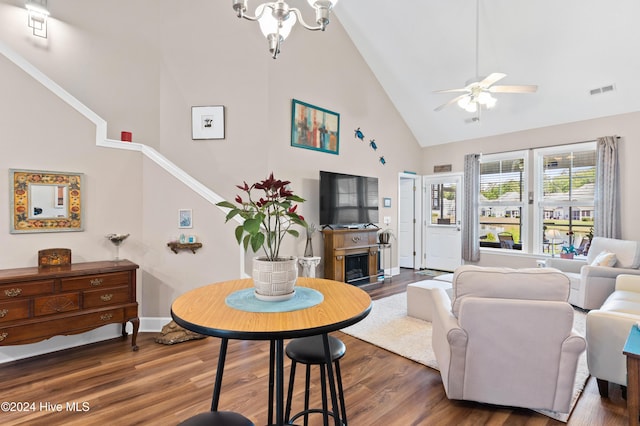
[310, 351]
[218, 418]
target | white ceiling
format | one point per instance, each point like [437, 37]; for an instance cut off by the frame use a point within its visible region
[566, 47]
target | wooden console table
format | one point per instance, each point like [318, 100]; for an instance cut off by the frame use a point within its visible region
[39, 303]
[339, 243]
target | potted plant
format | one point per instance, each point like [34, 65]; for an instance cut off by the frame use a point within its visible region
[568, 252]
[267, 218]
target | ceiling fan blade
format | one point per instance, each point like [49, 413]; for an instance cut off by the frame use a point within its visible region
[464, 89]
[523, 88]
[491, 79]
[452, 101]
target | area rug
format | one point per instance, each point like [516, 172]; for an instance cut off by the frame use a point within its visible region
[431, 272]
[389, 327]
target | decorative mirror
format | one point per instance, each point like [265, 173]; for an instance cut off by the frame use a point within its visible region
[45, 201]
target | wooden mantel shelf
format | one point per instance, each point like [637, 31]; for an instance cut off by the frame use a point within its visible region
[175, 247]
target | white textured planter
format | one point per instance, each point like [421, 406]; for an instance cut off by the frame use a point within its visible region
[275, 280]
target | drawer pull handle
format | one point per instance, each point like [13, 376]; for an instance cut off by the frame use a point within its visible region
[3, 336]
[96, 281]
[13, 292]
[106, 297]
[355, 239]
[3, 313]
[105, 317]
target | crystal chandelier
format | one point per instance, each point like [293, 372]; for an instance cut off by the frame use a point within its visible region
[276, 19]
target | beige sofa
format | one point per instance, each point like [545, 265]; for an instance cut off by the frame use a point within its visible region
[591, 284]
[607, 331]
[506, 337]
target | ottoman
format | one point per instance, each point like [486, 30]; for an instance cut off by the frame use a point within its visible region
[419, 301]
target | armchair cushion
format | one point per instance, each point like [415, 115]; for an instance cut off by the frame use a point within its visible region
[605, 258]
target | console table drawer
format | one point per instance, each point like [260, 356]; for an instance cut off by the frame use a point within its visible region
[95, 281]
[56, 304]
[31, 288]
[27, 333]
[355, 239]
[104, 297]
[10, 311]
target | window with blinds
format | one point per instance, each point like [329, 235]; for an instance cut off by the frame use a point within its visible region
[567, 192]
[501, 200]
[525, 195]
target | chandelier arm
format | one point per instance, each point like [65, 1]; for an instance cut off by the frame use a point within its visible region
[295, 10]
[241, 8]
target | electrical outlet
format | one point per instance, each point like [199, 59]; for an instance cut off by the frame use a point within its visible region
[387, 220]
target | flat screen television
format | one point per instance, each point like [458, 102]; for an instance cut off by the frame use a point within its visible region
[348, 200]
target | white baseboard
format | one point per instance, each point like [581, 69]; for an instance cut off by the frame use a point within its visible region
[58, 343]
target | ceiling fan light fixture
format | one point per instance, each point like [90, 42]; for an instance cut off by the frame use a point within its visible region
[468, 103]
[464, 102]
[485, 99]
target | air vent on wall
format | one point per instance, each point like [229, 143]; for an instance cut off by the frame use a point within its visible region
[603, 89]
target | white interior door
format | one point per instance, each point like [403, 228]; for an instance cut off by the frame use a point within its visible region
[409, 214]
[442, 195]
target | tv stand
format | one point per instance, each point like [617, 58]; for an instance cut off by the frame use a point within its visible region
[342, 244]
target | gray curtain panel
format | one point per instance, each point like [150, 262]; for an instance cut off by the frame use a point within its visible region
[470, 231]
[607, 203]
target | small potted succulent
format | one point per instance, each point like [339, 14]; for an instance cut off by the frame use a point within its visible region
[568, 251]
[268, 210]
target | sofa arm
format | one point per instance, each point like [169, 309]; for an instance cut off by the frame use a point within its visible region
[449, 343]
[628, 282]
[607, 333]
[589, 271]
[566, 265]
[572, 347]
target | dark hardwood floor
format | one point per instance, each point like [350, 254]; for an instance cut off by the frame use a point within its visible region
[106, 384]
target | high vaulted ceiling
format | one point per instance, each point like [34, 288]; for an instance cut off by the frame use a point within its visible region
[566, 47]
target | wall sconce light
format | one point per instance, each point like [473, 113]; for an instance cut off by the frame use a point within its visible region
[37, 19]
[277, 18]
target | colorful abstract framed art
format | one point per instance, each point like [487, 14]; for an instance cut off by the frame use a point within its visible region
[314, 128]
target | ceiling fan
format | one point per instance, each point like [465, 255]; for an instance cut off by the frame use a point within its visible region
[477, 92]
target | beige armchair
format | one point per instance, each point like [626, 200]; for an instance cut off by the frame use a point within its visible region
[607, 332]
[591, 284]
[506, 337]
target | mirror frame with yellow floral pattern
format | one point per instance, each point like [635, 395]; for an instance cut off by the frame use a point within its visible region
[19, 190]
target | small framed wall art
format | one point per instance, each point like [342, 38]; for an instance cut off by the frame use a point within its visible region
[207, 122]
[315, 128]
[185, 218]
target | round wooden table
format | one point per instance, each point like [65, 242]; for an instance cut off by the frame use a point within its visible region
[204, 311]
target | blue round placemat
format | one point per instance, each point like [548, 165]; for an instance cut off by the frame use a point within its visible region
[245, 300]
